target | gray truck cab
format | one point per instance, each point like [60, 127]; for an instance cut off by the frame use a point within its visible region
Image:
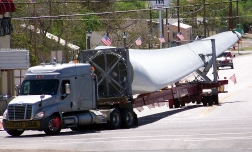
[48, 92]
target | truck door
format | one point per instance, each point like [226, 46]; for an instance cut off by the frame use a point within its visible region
[66, 103]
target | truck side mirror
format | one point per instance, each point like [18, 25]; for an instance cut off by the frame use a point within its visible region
[67, 88]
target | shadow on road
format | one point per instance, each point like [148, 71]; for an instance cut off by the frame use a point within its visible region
[155, 117]
[98, 128]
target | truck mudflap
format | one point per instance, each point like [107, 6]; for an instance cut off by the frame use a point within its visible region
[39, 124]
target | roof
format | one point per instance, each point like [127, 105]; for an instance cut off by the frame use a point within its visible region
[7, 6]
[66, 69]
[185, 26]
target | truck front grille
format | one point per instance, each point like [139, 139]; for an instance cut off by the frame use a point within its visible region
[19, 112]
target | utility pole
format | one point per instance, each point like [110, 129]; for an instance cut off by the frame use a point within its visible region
[178, 17]
[150, 21]
[237, 18]
[230, 16]
[204, 20]
[34, 27]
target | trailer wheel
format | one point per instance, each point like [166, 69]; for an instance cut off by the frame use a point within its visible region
[14, 132]
[210, 100]
[115, 119]
[128, 118]
[216, 99]
[54, 125]
[204, 100]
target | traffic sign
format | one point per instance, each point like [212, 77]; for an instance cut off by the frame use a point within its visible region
[159, 4]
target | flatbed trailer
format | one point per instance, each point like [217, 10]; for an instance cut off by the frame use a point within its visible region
[204, 90]
[183, 93]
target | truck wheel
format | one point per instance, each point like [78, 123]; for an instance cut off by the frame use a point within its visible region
[115, 119]
[14, 132]
[54, 125]
[128, 118]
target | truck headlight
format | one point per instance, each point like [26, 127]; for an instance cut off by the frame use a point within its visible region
[40, 115]
[5, 114]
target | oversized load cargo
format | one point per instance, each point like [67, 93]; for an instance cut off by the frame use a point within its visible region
[154, 69]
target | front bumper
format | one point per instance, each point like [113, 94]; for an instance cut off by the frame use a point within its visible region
[39, 124]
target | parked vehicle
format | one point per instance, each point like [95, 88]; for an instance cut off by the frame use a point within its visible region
[225, 59]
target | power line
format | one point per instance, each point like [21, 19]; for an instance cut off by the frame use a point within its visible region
[128, 19]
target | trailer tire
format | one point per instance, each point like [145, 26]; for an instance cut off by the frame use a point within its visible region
[54, 125]
[210, 100]
[176, 103]
[204, 100]
[115, 119]
[14, 132]
[128, 118]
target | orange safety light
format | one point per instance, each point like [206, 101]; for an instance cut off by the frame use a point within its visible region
[92, 68]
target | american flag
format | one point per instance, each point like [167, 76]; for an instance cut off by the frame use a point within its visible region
[161, 39]
[106, 40]
[139, 41]
[180, 36]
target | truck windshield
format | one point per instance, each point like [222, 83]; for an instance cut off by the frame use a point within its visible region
[38, 87]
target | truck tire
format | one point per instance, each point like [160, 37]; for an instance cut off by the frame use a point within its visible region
[14, 132]
[128, 118]
[54, 125]
[115, 119]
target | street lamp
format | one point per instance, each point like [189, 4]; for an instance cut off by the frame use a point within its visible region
[88, 34]
[124, 39]
[149, 37]
[168, 31]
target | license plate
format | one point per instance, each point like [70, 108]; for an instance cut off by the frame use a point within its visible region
[21, 124]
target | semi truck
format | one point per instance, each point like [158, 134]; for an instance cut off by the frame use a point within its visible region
[98, 90]
[108, 83]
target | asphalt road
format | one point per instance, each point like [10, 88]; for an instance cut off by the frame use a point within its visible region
[195, 128]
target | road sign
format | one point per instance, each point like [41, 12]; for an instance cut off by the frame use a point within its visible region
[159, 4]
